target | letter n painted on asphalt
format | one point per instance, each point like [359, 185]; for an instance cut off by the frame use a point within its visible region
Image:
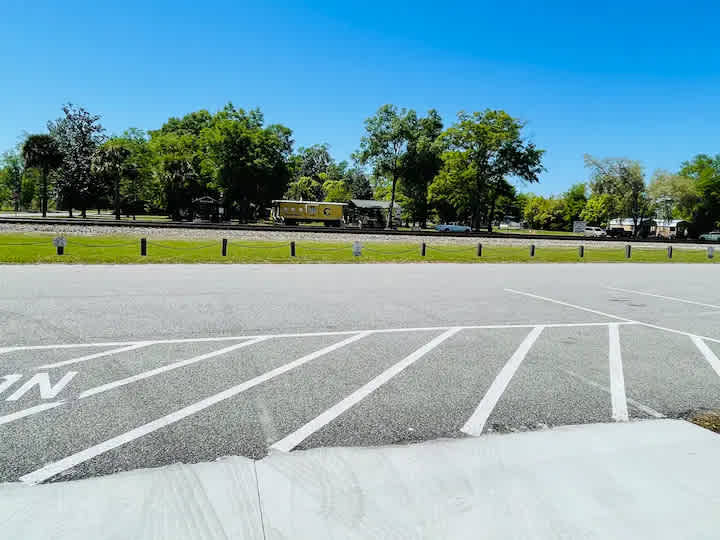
[42, 381]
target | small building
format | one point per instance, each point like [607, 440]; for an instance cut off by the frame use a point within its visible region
[626, 227]
[670, 228]
[206, 209]
[370, 213]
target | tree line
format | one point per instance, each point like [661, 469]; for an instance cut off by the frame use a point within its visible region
[618, 188]
[466, 172]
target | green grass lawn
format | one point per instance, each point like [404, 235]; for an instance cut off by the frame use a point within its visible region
[38, 248]
[536, 231]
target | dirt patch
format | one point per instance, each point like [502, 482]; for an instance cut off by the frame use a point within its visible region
[707, 419]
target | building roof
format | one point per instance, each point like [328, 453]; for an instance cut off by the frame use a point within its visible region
[627, 221]
[669, 222]
[310, 202]
[369, 203]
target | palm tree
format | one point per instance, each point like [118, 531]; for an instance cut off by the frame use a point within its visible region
[42, 152]
[110, 160]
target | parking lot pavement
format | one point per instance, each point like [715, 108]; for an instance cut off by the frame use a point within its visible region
[506, 351]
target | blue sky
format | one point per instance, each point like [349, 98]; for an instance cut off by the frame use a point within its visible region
[636, 79]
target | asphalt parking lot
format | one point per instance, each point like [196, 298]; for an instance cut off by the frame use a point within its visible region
[105, 369]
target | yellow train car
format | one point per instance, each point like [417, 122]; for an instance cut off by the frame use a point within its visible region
[295, 212]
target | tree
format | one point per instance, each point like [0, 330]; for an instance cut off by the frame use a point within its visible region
[13, 176]
[384, 145]
[41, 152]
[305, 189]
[483, 149]
[420, 164]
[312, 162]
[77, 134]
[674, 195]
[598, 210]
[546, 213]
[574, 201]
[358, 182]
[704, 170]
[336, 191]
[625, 181]
[110, 162]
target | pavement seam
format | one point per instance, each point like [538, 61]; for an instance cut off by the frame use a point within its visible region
[260, 508]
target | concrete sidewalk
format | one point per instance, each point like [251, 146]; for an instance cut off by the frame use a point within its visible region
[653, 479]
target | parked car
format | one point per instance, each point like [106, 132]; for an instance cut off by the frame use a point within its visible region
[595, 231]
[452, 227]
[713, 236]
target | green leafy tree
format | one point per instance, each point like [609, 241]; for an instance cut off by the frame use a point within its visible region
[78, 134]
[675, 196]
[574, 201]
[41, 152]
[484, 149]
[305, 189]
[358, 182]
[384, 146]
[704, 170]
[546, 213]
[420, 164]
[599, 209]
[625, 180]
[337, 191]
[12, 167]
[111, 163]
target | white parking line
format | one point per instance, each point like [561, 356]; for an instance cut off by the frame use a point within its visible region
[644, 408]
[674, 298]
[623, 319]
[476, 422]
[27, 412]
[169, 367]
[134, 378]
[147, 342]
[52, 469]
[94, 356]
[293, 439]
[617, 379]
[707, 353]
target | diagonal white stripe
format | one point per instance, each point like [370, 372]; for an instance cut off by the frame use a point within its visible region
[94, 356]
[476, 422]
[293, 439]
[51, 469]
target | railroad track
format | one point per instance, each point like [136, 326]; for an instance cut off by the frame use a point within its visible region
[325, 230]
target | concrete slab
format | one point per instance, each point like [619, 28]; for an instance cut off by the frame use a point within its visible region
[654, 479]
[203, 501]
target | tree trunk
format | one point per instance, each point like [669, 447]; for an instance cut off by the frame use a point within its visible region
[117, 198]
[392, 203]
[491, 213]
[83, 210]
[43, 203]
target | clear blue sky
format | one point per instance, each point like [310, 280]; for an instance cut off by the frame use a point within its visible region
[638, 79]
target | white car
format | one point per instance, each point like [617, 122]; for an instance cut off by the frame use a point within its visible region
[595, 231]
[452, 227]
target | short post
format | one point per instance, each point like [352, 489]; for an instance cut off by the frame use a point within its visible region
[60, 250]
[711, 252]
[669, 252]
[479, 251]
[581, 251]
[422, 249]
[532, 250]
[628, 251]
[292, 248]
[143, 247]
[224, 247]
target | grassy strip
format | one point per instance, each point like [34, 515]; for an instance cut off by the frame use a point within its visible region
[37, 248]
[708, 419]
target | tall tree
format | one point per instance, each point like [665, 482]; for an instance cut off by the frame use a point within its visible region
[384, 145]
[110, 162]
[483, 150]
[358, 182]
[41, 152]
[574, 201]
[704, 170]
[77, 134]
[13, 175]
[421, 163]
[625, 181]
[674, 195]
[599, 209]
